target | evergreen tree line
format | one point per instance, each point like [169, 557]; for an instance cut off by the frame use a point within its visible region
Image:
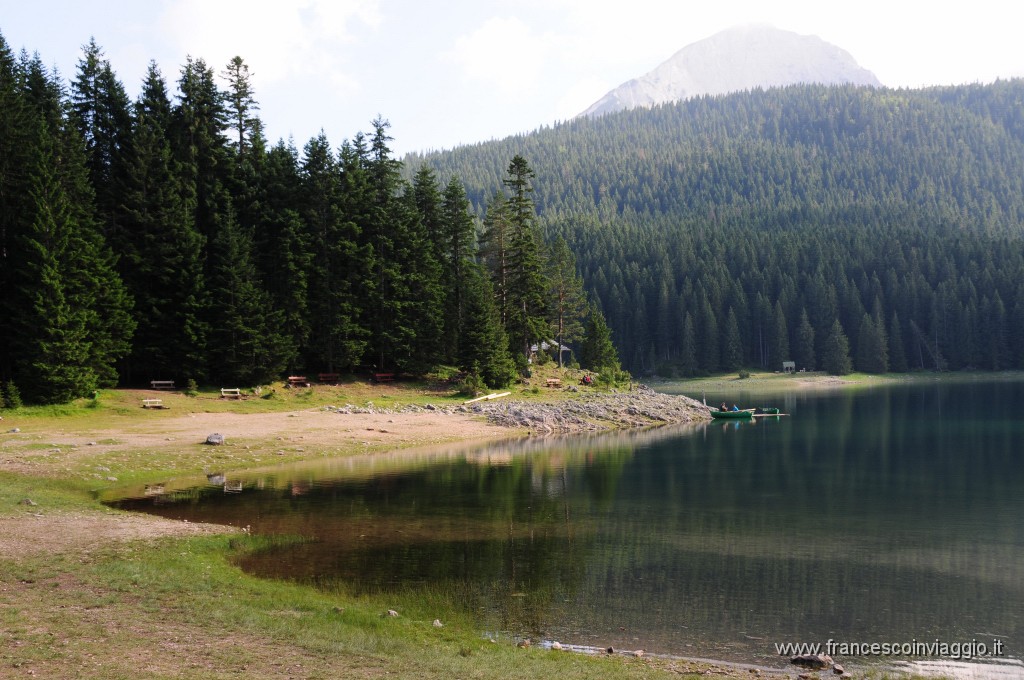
[166, 239]
[838, 227]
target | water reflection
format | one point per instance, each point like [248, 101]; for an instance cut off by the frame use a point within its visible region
[894, 514]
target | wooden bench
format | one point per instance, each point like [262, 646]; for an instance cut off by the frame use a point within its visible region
[232, 392]
[383, 377]
[153, 403]
[298, 381]
[161, 384]
[554, 382]
[328, 378]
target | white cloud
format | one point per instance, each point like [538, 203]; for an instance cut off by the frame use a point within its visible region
[580, 96]
[503, 53]
[278, 39]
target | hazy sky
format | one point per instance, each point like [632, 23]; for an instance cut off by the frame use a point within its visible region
[463, 71]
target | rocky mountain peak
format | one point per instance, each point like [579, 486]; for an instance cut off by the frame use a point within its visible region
[737, 59]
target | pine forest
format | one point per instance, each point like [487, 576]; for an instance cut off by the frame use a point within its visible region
[840, 228]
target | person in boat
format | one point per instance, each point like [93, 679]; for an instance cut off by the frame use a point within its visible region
[735, 407]
[723, 407]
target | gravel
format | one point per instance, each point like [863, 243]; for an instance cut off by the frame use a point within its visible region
[584, 412]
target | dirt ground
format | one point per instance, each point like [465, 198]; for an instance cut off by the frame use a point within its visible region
[32, 531]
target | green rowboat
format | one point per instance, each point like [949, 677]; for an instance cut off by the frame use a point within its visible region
[733, 415]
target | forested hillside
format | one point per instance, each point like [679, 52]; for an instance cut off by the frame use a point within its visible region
[839, 227]
[165, 239]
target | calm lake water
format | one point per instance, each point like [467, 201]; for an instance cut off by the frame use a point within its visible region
[891, 514]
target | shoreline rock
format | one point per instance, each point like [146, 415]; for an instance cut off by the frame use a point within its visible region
[584, 412]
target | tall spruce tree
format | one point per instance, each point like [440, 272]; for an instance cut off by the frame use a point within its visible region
[732, 348]
[597, 352]
[804, 352]
[835, 351]
[422, 253]
[283, 253]
[459, 233]
[897, 351]
[17, 130]
[240, 101]
[335, 197]
[483, 345]
[162, 250]
[91, 283]
[388, 230]
[494, 251]
[102, 114]
[50, 332]
[566, 297]
[688, 351]
[526, 300]
[245, 343]
[872, 350]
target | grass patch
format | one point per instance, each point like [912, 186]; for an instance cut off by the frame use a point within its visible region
[59, 495]
[180, 608]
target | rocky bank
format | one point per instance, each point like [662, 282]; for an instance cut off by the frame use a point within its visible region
[583, 412]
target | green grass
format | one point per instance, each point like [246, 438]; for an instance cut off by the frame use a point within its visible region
[48, 494]
[766, 382]
[180, 608]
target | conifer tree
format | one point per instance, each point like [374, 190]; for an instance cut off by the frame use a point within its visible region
[241, 105]
[597, 352]
[283, 253]
[709, 336]
[421, 253]
[688, 352]
[335, 198]
[526, 321]
[62, 195]
[494, 250]
[780, 335]
[459, 232]
[897, 353]
[102, 115]
[245, 344]
[197, 138]
[51, 336]
[162, 250]
[835, 351]
[402, 263]
[483, 345]
[804, 353]
[16, 133]
[567, 299]
[872, 352]
[732, 348]
[426, 194]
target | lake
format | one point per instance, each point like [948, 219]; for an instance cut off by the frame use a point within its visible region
[892, 514]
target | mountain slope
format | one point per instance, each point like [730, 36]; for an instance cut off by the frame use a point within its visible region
[724, 222]
[738, 59]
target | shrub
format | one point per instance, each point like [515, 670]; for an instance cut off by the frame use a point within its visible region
[191, 387]
[472, 385]
[744, 374]
[12, 396]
